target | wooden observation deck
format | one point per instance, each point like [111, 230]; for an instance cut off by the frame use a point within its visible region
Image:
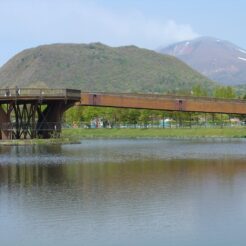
[30, 113]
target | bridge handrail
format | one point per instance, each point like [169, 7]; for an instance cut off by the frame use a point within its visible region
[37, 92]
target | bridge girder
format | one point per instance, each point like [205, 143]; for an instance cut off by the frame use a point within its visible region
[164, 102]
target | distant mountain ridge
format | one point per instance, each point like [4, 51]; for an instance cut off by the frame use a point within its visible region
[217, 59]
[97, 67]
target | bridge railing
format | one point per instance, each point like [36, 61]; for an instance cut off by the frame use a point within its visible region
[39, 92]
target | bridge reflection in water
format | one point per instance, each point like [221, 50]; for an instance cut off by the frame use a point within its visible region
[32, 113]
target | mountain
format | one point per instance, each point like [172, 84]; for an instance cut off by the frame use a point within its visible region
[97, 67]
[219, 60]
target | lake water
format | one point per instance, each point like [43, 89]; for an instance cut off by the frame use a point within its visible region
[124, 192]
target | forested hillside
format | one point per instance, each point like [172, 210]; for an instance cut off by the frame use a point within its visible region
[97, 67]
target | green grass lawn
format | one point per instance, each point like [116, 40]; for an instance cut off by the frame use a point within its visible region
[156, 133]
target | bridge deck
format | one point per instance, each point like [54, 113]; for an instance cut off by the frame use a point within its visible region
[124, 100]
[32, 95]
[164, 102]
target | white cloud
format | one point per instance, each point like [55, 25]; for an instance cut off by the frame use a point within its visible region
[38, 22]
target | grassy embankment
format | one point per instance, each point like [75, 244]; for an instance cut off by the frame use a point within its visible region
[70, 136]
[156, 133]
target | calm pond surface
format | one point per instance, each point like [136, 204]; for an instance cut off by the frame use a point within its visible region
[124, 192]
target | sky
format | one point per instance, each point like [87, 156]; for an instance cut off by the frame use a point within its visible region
[147, 24]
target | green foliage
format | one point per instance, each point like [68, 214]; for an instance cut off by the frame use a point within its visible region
[75, 114]
[224, 92]
[113, 115]
[144, 117]
[199, 91]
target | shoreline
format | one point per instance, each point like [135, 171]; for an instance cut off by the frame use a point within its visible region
[27, 142]
[74, 136]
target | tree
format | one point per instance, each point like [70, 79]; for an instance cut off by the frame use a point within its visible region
[224, 92]
[199, 91]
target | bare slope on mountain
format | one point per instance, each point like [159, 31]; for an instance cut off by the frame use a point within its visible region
[96, 67]
[217, 59]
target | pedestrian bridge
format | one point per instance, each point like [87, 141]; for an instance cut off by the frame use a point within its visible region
[164, 102]
[31, 112]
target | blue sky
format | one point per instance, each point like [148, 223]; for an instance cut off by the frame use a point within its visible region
[145, 23]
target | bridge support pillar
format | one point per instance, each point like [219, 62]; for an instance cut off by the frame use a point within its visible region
[31, 120]
[49, 120]
[32, 112]
[5, 132]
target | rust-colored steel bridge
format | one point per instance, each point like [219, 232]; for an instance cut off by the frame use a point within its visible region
[32, 113]
[164, 102]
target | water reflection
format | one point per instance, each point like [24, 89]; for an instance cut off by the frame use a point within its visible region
[130, 173]
[96, 194]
